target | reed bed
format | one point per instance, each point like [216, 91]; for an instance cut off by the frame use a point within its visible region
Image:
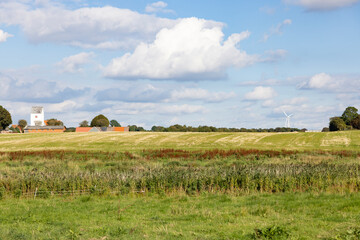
[169, 171]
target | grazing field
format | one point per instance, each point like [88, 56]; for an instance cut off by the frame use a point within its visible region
[134, 141]
[180, 186]
[208, 216]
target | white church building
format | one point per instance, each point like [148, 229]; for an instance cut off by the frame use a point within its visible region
[37, 116]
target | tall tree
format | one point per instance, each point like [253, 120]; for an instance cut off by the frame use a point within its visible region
[22, 123]
[5, 118]
[100, 121]
[349, 114]
[114, 123]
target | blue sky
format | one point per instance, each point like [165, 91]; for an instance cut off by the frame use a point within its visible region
[221, 63]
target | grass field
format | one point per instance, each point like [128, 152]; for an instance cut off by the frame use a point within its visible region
[290, 216]
[180, 186]
[134, 141]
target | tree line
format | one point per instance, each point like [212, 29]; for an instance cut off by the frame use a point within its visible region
[350, 119]
[184, 128]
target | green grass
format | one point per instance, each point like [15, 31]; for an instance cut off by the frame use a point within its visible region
[208, 216]
[133, 191]
[169, 171]
[136, 141]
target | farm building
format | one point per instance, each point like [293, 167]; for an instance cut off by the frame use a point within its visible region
[38, 123]
[44, 129]
[102, 129]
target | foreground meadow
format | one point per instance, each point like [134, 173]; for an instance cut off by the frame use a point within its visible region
[180, 186]
[207, 216]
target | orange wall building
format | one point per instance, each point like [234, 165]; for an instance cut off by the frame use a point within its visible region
[102, 129]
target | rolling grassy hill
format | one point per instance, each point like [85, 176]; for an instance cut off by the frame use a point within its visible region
[133, 141]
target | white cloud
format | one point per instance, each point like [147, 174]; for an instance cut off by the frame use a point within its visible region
[200, 94]
[62, 107]
[4, 36]
[73, 64]
[321, 5]
[155, 108]
[321, 80]
[89, 27]
[38, 91]
[261, 93]
[332, 83]
[278, 30]
[193, 49]
[159, 6]
[268, 103]
[151, 93]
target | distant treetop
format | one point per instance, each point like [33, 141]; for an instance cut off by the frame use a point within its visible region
[100, 121]
[114, 123]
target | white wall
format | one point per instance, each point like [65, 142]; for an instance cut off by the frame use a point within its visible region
[37, 117]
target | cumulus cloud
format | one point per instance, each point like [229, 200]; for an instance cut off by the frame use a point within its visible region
[159, 6]
[332, 83]
[322, 5]
[260, 93]
[278, 30]
[4, 36]
[39, 91]
[89, 27]
[150, 93]
[193, 49]
[321, 80]
[74, 63]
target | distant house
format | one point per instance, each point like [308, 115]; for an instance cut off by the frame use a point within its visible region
[44, 129]
[102, 129]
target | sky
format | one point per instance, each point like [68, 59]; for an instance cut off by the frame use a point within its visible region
[220, 63]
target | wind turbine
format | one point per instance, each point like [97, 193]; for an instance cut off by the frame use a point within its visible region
[287, 121]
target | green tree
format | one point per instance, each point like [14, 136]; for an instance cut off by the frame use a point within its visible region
[84, 124]
[99, 121]
[5, 118]
[158, 129]
[349, 114]
[135, 128]
[114, 123]
[22, 123]
[54, 122]
[355, 123]
[337, 124]
[325, 129]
